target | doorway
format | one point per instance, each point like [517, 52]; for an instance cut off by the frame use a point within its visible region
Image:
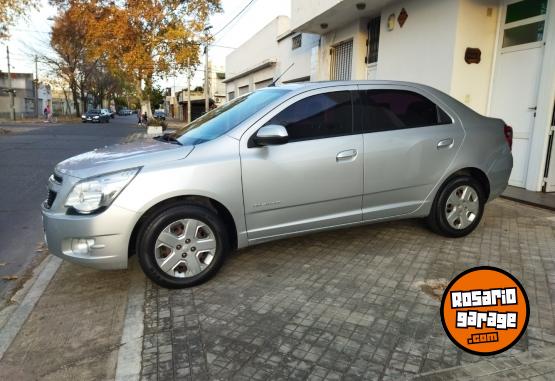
[342, 61]
[517, 73]
[549, 174]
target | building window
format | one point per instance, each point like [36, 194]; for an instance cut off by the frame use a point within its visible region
[524, 23]
[297, 41]
[230, 95]
[262, 84]
[373, 40]
[342, 61]
[243, 89]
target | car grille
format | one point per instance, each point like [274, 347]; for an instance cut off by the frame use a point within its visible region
[50, 200]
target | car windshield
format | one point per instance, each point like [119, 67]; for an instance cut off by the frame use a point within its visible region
[94, 112]
[225, 118]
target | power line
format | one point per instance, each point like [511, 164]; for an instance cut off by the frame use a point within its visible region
[100, 38]
[234, 18]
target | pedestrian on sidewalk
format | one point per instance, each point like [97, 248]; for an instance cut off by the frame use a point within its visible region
[145, 117]
[48, 114]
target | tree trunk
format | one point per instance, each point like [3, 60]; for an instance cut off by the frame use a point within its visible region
[145, 97]
[83, 99]
[75, 95]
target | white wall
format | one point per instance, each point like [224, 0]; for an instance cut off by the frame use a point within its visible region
[422, 50]
[262, 46]
[304, 10]
[300, 57]
[272, 43]
[476, 28]
[355, 31]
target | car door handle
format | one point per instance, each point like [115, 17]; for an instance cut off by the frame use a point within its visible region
[346, 155]
[445, 143]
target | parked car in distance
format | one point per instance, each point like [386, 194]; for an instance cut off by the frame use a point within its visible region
[160, 114]
[275, 163]
[125, 112]
[112, 113]
[96, 116]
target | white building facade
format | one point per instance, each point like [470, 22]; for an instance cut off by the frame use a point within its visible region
[273, 51]
[496, 56]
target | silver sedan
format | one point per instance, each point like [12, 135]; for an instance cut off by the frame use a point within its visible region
[277, 163]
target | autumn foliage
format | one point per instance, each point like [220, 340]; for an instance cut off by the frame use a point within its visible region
[10, 11]
[137, 41]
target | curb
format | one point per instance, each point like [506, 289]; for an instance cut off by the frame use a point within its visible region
[19, 316]
[530, 203]
[129, 363]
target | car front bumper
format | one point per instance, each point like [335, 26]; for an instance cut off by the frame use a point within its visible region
[100, 241]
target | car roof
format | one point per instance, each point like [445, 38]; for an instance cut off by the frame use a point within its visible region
[324, 84]
[302, 87]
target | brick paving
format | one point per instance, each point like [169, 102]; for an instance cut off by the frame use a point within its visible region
[358, 303]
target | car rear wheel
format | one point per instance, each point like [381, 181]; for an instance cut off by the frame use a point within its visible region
[182, 246]
[458, 207]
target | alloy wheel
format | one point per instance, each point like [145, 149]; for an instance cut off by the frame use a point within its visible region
[185, 248]
[462, 207]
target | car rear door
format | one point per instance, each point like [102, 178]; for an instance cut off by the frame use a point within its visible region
[410, 139]
[313, 181]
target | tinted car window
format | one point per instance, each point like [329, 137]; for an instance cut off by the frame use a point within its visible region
[384, 110]
[318, 116]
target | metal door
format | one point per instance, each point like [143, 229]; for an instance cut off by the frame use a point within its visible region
[342, 61]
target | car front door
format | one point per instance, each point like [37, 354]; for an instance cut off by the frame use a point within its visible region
[314, 180]
[409, 143]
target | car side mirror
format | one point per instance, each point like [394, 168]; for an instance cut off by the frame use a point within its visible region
[270, 135]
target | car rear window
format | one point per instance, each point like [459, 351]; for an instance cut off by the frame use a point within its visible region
[385, 110]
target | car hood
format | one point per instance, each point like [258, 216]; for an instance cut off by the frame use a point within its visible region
[121, 156]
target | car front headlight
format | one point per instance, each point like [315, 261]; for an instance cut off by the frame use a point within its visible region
[83, 116]
[96, 117]
[99, 192]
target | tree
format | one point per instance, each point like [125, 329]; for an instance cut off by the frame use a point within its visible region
[10, 11]
[157, 97]
[147, 39]
[74, 60]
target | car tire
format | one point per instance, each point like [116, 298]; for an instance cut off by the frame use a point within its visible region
[458, 207]
[181, 262]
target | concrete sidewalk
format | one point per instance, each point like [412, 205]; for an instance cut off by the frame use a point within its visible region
[74, 331]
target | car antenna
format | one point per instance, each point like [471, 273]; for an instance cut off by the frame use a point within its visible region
[273, 84]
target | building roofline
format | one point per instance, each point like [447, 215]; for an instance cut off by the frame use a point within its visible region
[264, 64]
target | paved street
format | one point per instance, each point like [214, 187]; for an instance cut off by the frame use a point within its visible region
[27, 156]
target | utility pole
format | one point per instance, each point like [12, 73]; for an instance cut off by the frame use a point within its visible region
[206, 92]
[10, 90]
[37, 87]
[188, 90]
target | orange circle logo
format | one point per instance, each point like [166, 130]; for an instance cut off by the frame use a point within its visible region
[485, 310]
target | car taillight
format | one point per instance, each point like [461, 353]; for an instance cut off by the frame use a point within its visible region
[509, 136]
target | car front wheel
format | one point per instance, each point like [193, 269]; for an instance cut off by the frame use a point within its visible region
[182, 246]
[458, 207]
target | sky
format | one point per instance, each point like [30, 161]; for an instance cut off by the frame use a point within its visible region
[33, 33]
